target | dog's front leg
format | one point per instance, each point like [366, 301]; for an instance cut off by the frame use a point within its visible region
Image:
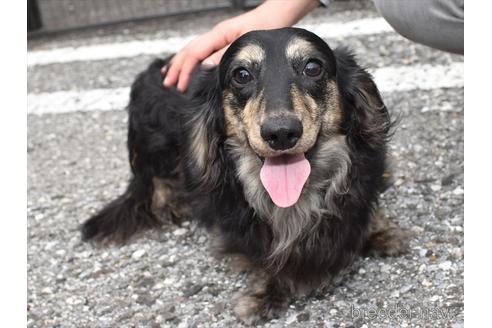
[266, 298]
[385, 238]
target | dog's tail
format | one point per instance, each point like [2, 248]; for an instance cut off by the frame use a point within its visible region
[123, 217]
[152, 154]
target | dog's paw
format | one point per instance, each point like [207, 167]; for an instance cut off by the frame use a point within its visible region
[257, 308]
[389, 242]
[386, 238]
[94, 230]
[247, 310]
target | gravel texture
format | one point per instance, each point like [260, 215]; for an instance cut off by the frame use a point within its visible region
[77, 162]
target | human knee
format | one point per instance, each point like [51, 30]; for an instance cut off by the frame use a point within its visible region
[438, 23]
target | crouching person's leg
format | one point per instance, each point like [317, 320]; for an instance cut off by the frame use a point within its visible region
[436, 23]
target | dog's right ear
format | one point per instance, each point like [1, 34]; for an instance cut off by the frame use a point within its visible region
[205, 132]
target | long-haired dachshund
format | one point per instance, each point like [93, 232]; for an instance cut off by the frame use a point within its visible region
[280, 150]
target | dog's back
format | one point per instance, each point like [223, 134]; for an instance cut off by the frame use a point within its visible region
[154, 136]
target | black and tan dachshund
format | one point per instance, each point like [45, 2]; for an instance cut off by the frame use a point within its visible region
[280, 150]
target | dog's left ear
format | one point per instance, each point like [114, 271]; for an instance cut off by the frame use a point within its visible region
[204, 126]
[366, 119]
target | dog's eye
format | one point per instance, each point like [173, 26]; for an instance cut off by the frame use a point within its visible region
[242, 76]
[312, 68]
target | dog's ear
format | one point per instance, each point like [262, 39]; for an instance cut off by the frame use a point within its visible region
[365, 120]
[204, 124]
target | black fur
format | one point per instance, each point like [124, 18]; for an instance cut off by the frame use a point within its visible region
[159, 144]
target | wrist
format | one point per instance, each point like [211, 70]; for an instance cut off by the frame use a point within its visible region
[270, 14]
[276, 14]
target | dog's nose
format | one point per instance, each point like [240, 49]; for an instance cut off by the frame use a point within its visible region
[281, 133]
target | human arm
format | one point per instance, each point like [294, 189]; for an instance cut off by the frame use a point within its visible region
[209, 47]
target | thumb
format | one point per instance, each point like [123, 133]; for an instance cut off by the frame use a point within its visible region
[214, 59]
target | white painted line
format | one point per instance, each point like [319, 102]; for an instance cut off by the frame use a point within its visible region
[388, 79]
[172, 45]
[106, 51]
[339, 30]
[74, 101]
[424, 77]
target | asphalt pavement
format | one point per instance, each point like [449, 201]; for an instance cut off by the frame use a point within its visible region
[77, 162]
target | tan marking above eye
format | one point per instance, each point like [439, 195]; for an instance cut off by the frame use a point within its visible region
[298, 48]
[251, 53]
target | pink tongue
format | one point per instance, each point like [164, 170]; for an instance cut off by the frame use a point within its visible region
[284, 176]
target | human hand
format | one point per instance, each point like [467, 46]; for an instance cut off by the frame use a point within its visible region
[209, 47]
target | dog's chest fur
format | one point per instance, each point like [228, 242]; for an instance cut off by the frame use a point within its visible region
[330, 165]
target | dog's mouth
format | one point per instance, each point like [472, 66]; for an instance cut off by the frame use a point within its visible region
[284, 176]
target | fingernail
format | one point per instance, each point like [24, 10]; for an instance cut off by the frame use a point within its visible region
[164, 69]
[208, 64]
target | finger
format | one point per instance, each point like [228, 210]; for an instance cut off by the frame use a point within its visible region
[164, 70]
[214, 59]
[173, 70]
[193, 53]
[184, 75]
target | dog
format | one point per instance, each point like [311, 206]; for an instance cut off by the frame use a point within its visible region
[280, 151]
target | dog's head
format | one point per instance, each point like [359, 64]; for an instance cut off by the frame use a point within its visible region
[277, 88]
[280, 90]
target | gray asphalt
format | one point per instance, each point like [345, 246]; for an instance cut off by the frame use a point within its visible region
[77, 162]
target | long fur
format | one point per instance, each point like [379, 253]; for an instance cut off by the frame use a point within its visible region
[183, 137]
